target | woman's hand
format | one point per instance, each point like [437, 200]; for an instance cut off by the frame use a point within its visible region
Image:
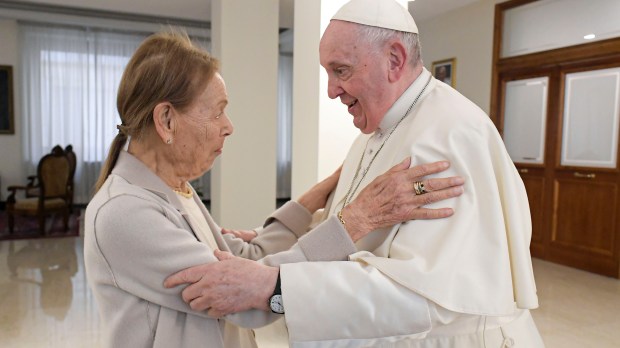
[246, 235]
[316, 197]
[391, 198]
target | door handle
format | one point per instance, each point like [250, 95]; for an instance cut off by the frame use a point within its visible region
[524, 170]
[585, 176]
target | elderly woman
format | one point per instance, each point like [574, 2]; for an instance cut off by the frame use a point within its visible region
[146, 222]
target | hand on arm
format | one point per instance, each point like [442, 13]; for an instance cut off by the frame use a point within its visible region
[391, 199]
[245, 235]
[232, 285]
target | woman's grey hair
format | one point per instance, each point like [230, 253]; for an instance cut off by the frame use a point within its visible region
[377, 37]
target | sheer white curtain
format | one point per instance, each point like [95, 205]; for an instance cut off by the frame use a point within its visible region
[70, 78]
[285, 125]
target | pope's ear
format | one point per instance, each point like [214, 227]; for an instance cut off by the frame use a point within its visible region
[398, 57]
[163, 120]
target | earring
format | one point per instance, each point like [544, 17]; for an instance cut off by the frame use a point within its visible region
[169, 141]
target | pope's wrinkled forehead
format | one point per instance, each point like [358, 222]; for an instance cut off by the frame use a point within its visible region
[339, 41]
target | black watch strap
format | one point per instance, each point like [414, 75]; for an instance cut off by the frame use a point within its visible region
[278, 289]
[275, 301]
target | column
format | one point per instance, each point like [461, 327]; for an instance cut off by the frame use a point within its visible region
[244, 37]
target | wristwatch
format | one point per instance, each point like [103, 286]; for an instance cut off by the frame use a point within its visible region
[275, 301]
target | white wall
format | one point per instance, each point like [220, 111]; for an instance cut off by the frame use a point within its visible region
[11, 171]
[467, 35]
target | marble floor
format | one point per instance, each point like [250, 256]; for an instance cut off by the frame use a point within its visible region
[45, 301]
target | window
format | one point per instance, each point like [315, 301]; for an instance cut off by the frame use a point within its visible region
[70, 81]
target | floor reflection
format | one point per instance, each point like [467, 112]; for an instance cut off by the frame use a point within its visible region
[44, 298]
[50, 265]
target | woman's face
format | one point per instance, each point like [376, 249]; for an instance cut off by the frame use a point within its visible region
[201, 131]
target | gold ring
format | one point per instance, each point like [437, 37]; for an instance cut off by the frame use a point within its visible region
[418, 187]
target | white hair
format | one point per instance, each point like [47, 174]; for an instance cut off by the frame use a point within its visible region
[377, 37]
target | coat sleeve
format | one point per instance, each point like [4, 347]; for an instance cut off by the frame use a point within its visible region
[285, 237]
[354, 305]
[141, 243]
[281, 230]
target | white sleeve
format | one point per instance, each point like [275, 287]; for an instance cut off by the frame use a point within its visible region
[349, 304]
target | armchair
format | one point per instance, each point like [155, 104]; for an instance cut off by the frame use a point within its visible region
[32, 189]
[53, 187]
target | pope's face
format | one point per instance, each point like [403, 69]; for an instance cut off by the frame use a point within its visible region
[357, 74]
[202, 130]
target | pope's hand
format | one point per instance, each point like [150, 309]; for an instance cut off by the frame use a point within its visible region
[229, 286]
[391, 199]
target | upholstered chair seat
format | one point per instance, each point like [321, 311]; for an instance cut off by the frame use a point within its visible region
[33, 203]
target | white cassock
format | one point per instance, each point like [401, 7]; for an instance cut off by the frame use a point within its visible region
[463, 281]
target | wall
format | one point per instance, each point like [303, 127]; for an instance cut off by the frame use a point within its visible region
[11, 171]
[467, 35]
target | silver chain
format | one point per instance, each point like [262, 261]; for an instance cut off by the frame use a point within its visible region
[352, 191]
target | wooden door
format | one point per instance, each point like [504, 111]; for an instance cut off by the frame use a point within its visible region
[528, 123]
[562, 133]
[584, 227]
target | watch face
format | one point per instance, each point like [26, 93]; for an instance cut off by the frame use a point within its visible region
[275, 302]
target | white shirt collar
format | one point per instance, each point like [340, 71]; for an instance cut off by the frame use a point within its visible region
[401, 105]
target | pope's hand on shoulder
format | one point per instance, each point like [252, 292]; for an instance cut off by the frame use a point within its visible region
[391, 198]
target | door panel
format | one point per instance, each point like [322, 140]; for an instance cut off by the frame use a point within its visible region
[525, 119]
[585, 224]
[535, 188]
[585, 219]
[590, 127]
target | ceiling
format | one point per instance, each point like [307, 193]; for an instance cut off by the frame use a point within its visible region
[201, 9]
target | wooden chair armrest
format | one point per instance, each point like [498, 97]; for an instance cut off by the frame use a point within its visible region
[14, 188]
[10, 200]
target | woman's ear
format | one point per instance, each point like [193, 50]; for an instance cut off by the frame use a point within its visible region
[163, 119]
[397, 60]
